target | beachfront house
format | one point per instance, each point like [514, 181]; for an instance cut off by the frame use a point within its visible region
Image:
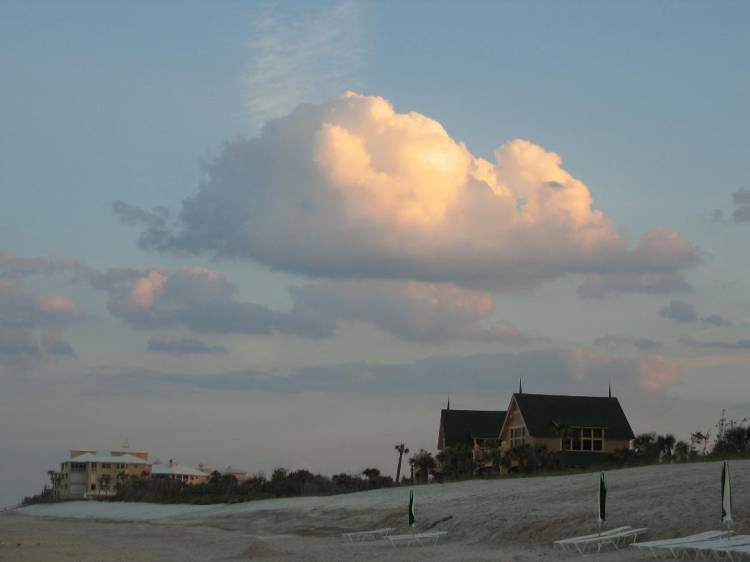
[477, 429]
[587, 429]
[179, 472]
[87, 474]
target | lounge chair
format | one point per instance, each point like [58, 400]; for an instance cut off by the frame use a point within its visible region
[415, 538]
[565, 543]
[713, 548]
[655, 548]
[361, 536]
[735, 552]
[614, 537]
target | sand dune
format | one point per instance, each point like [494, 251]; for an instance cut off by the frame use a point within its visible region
[507, 519]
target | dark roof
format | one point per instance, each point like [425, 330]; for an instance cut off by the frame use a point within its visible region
[544, 412]
[461, 426]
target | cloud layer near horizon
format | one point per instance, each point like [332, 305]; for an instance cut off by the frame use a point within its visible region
[546, 370]
[353, 189]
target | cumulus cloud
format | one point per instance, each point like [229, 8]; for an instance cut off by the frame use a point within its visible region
[684, 313]
[203, 300]
[353, 189]
[178, 347]
[197, 298]
[643, 344]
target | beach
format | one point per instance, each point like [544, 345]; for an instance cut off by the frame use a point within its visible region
[505, 519]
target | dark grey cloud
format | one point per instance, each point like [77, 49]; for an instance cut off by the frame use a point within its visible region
[740, 212]
[644, 344]
[738, 345]
[20, 347]
[17, 344]
[31, 324]
[53, 344]
[133, 215]
[179, 347]
[680, 312]
[684, 313]
[741, 196]
[716, 320]
[566, 371]
[601, 286]
[19, 309]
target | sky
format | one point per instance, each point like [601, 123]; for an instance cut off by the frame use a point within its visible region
[284, 233]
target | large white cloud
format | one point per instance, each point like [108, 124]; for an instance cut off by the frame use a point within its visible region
[351, 188]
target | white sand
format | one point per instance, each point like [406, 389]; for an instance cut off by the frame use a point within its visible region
[507, 519]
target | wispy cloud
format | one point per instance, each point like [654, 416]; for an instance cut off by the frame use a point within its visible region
[305, 56]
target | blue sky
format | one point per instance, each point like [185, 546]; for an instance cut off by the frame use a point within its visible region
[646, 104]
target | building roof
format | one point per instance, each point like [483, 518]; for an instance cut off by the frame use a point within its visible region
[93, 457]
[543, 413]
[174, 468]
[461, 426]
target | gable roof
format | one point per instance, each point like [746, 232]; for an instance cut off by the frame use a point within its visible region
[544, 412]
[115, 459]
[461, 426]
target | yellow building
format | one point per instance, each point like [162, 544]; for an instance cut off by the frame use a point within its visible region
[87, 474]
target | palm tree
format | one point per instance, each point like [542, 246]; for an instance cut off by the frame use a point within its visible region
[423, 463]
[401, 448]
[372, 474]
[665, 444]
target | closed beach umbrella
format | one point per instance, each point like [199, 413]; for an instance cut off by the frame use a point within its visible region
[412, 519]
[726, 495]
[602, 499]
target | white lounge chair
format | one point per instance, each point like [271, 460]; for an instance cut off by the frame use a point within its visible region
[565, 543]
[713, 548]
[735, 552]
[415, 538]
[612, 538]
[361, 536]
[655, 548]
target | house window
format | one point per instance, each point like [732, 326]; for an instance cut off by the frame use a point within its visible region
[106, 465]
[93, 487]
[586, 439]
[517, 436]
